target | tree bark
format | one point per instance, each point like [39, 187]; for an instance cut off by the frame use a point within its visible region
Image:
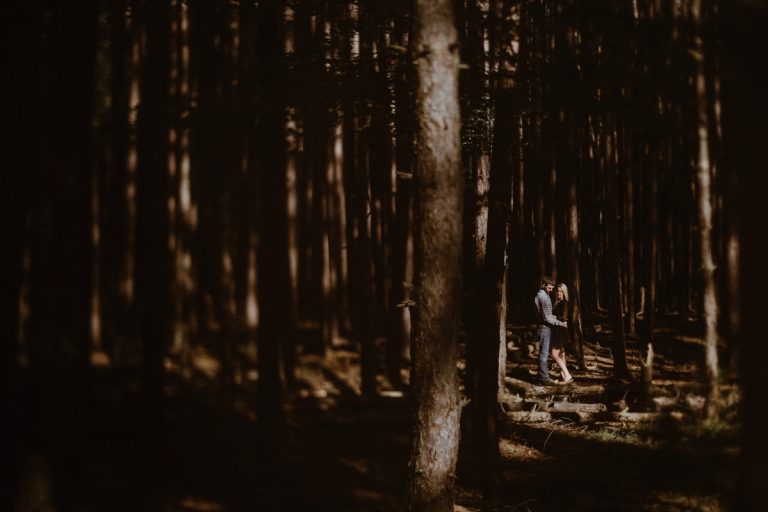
[744, 112]
[438, 234]
[704, 175]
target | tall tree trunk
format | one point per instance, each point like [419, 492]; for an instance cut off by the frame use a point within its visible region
[276, 320]
[438, 234]
[364, 206]
[207, 167]
[113, 204]
[651, 258]
[477, 158]
[401, 227]
[21, 44]
[629, 234]
[61, 248]
[573, 265]
[246, 181]
[703, 179]
[153, 260]
[569, 168]
[620, 368]
[492, 296]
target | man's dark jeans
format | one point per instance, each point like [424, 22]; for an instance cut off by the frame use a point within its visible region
[545, 333]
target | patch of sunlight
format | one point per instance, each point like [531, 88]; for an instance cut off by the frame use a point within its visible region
[205, 363]
[392, 393]
[200, 505]
[100, 359]
[314, 392]
[664, 500]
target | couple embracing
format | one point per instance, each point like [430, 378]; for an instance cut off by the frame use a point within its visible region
[553, 330]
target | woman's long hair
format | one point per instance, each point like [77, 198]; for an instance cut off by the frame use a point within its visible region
[564, 289]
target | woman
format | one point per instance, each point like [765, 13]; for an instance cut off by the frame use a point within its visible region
[560, 337]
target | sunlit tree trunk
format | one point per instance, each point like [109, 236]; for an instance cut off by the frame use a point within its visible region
[438, 234]
[703, 179]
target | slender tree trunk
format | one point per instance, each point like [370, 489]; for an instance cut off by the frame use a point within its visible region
[704, 174]
[153, 260]
[651, 258]
[438, 234]
[620, 368]
[364, 208]
[274, 281]
[629, 234]
[246, 181]
[573, 266]
[491, 294]
[207, 167]
[477, 158]
[113, 204]
[399, 233]
[569, 168]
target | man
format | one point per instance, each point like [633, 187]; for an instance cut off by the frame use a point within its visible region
[546, 321]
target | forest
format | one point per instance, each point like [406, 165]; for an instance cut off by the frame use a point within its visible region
[296, 255]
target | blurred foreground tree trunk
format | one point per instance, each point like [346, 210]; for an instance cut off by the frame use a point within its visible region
[438, 201]
[745, 109]
[61, 246]
[22, 25]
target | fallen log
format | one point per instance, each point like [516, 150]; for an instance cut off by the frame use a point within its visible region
[549, 406]
[527, 417]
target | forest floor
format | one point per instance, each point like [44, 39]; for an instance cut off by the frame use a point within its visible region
[344, 452]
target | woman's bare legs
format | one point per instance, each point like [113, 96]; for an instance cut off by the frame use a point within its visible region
[559, 356]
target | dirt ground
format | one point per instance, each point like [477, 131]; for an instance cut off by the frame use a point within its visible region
[344, 452]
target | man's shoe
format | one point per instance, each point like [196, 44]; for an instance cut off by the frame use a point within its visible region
[547, 382]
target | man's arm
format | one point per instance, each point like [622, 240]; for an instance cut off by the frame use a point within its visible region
[546, 310]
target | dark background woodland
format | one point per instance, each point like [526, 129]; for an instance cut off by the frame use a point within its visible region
[205, 201]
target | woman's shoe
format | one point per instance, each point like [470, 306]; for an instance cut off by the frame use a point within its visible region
[563, 383]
